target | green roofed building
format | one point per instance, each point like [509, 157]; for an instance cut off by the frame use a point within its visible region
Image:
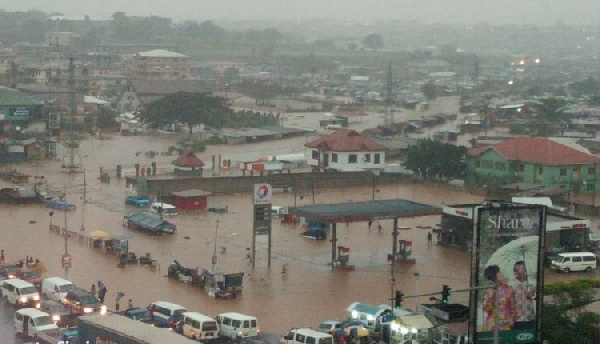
[535, 161]
[17, 110]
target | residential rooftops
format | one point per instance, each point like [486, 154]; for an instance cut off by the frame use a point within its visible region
[537, 150]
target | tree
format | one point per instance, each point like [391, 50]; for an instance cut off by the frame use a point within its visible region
[435, 160]
[429, 90]
[188, 108]
[565, 318]
[373, 41]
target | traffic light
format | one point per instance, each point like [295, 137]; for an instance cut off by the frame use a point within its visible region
[445, 294]
[398, 299]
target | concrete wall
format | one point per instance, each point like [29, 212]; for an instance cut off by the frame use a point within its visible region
[291, 181]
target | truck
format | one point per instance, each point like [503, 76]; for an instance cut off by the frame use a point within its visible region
[115, 328]
[59, 335]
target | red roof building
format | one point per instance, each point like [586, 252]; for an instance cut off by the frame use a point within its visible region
[533, 160]
[188, 164]
[537, 150]
[346, 150]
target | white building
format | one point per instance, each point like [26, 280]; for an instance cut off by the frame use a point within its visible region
[346, 150]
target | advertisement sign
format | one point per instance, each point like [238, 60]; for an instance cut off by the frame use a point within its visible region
[262, 193]
[66, 260]
[508, 259]
[19, 111]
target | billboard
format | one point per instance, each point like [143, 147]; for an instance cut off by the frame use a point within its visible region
[262, 193]
[507, 277]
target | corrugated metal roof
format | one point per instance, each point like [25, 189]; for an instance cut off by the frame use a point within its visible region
[11, 97]
[160, 53]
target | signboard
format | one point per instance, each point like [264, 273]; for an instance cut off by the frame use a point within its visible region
[508, 259]
[262, 193]
[66, 260]
[19, 111]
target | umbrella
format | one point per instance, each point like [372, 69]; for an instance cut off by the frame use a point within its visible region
[360, 331]
[99, 235]
[524, 248]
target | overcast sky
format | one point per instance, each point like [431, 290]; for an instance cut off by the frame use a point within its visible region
[539, 12]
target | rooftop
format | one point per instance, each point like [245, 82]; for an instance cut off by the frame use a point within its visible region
[537, 150]
[160, 53]
[362, 211]
[346, 140]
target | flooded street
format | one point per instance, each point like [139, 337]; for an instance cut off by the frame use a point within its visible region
[310, 291]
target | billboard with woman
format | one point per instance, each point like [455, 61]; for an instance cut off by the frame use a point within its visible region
[507, 277]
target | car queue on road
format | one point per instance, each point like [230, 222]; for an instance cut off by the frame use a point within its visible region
[41, 311]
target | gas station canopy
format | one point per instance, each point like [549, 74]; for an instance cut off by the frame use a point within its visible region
[364, 211]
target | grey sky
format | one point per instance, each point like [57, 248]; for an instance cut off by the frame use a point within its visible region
[540, 12]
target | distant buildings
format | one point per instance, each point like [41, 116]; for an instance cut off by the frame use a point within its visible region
[160, 64]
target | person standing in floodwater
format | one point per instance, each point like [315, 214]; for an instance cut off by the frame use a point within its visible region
[93, 290]
[379, 228]
[102, 293]
[2, 257]
[429, 238]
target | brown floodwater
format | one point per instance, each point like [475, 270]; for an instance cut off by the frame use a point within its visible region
[308, 293]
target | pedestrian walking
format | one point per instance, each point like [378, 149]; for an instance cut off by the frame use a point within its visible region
[370, 223]
[2, 257]
[429, 238]
[93, 290]
[379, 228]
[102, 293]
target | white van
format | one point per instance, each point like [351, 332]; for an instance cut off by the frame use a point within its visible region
[198, 326]
[575, 261]
[20, 293]
[305, 336]
[172, 312]
[30, 322]
[240, 324]
[165, 209]
[56, 288]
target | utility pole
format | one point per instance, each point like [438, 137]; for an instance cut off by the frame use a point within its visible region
[214, 257]
[66, 234]
[389, 101]
[84, 201]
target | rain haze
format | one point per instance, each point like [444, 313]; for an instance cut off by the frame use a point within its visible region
[537, 12]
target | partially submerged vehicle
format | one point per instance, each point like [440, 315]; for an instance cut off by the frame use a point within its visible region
[61, 205]
[164, 209]
[138, 201]
[19, 195]
[148, 223]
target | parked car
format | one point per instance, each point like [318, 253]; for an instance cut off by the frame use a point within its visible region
[143, 315]
[61, 205]
[80, 301]
[138, 201]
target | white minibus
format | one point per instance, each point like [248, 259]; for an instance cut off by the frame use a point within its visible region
[198, 326]
[242, 325]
